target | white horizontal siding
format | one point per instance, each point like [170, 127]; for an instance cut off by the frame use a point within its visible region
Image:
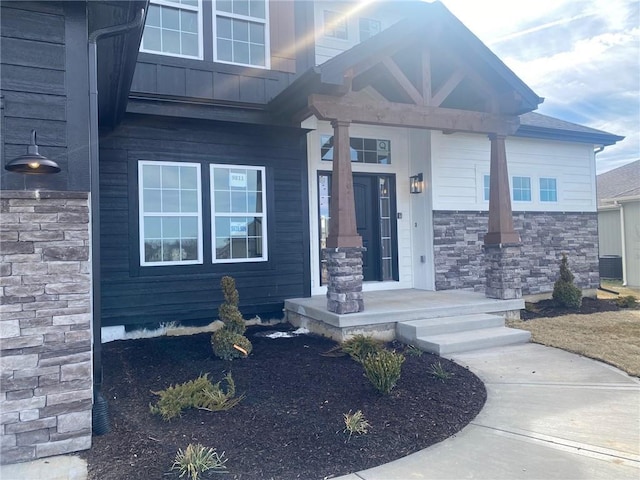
[460, 161]
[327, 47]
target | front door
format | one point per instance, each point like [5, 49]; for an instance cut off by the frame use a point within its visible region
[375, 213]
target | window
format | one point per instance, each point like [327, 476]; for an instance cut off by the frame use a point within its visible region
[368, 28]
[173, 27]
[362, 150]
[522, 189]
[335, 25]
[170, 215]
[239, 222]
[486, 187]
[241, 32]
[548, 190]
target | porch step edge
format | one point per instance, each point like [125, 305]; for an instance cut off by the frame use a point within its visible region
[457, 342]
[439, 325]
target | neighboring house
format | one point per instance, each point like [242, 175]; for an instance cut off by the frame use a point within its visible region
[619, 223]
[218, 127]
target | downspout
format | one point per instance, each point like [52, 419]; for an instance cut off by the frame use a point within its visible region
[100, 415]
[623, 244]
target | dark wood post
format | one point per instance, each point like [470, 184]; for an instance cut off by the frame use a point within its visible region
[500, 215]
[343, 230]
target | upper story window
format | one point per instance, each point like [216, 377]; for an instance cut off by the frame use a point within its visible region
[522, 189]
[170, 215]
[174, 27]
[241, 32]
[548, 190]
[335, 25]
[362, 150]
[368, 28]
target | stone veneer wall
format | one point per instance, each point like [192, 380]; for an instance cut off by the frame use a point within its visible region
[45, 324]
[460, 261]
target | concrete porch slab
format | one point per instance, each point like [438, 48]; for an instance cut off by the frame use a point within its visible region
[391, 306]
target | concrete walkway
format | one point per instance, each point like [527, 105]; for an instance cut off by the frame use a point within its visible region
[549, 415]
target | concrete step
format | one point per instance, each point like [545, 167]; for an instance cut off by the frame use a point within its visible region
[434, 326]
[447, 343]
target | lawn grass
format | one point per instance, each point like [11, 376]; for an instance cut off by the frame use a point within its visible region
[612, 337]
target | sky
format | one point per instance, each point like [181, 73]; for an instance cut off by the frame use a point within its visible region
[582, 56]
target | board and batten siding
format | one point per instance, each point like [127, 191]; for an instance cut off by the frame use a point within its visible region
[609, 235]
[43, 79]
[460, 161]
[190, 294]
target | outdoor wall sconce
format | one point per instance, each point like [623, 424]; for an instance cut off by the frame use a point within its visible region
[415, 183]
[32, 162]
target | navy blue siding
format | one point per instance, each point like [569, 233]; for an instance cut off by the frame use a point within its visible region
[190, 294]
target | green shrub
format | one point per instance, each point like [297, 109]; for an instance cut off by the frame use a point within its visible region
[565, 293]
[383, 369]
[438, 371]
[228, 312]
[355, 423]
[360, 346]
[628, 301]
[228, 345]
[197, 459]
[412, 351]
[198, 393]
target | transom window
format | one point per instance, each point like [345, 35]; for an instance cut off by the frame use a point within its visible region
[335, 25]
[368, 28]
[522, 189]
[241, 32]
[362, 150]
[548, 190]
[170, 214]
[173, 27]
[239, 226]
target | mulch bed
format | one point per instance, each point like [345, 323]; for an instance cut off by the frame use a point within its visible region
[289, 426]
[549, 308]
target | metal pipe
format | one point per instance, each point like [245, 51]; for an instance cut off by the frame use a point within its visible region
[94, 137]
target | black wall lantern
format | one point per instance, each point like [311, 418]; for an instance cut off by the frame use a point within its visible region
[32, 162]
[415, 183]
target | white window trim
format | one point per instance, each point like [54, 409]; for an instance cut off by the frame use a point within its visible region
[338, 14]
[548, 202]
[263, 215]
[141, 214]
[531, 189]
[164, 3]
[267, 35]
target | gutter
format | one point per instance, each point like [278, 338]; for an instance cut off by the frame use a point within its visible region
[100, 416]
[623, 245]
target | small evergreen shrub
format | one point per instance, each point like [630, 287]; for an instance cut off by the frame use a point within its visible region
[355, 423]
[229, 342]
[628, 301]
[197, 459]
[199, 393]
[360, 346]
[565, 293]
[383, 369]
[227, 345]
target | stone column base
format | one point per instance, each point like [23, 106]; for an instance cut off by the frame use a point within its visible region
[503, 271]
[344, 291]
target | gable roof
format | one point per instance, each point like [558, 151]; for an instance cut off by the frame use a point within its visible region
[425, 25]
[536, 125]
[621, 182]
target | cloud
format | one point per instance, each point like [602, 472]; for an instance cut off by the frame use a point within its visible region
[582, 56]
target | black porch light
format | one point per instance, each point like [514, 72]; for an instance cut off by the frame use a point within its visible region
[415, 183]
[32, 162]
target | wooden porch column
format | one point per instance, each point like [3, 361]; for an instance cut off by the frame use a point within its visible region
[343, 230]
[500, 215]
[343, 254]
